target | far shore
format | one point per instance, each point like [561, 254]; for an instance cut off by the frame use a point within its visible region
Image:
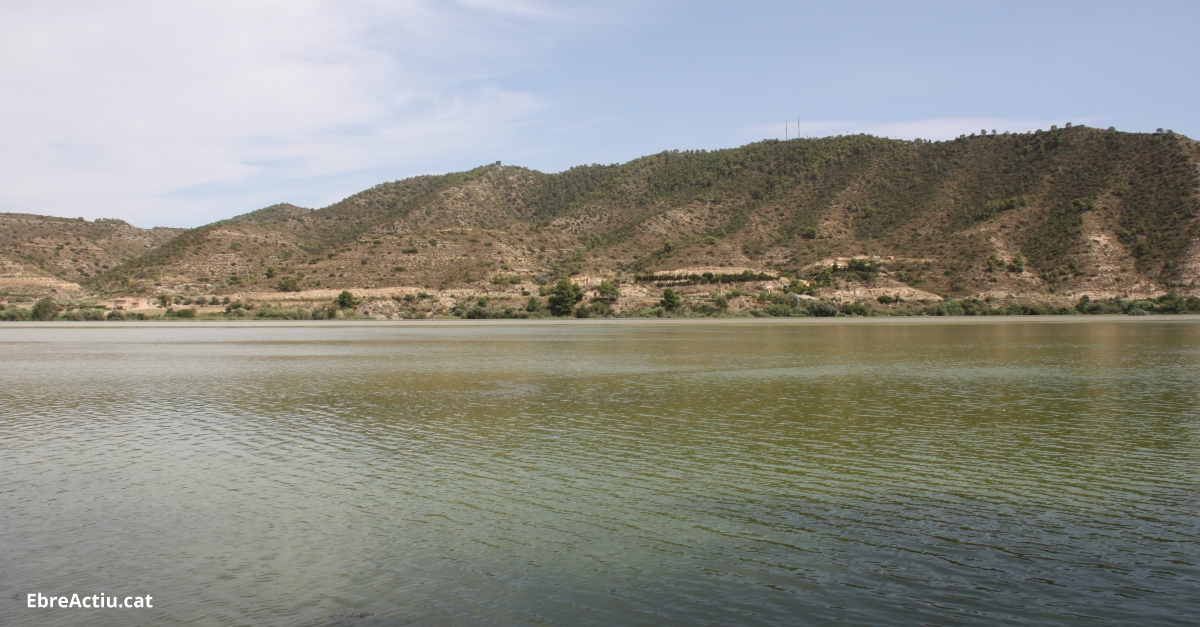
[598, 322]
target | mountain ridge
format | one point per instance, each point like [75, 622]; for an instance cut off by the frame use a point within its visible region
[1079, 210]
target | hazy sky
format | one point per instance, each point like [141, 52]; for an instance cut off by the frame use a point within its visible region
[181, 113]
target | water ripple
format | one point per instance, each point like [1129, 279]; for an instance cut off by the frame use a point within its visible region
[775, 475]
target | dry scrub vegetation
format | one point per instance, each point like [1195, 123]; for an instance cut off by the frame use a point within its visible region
[1007, 220]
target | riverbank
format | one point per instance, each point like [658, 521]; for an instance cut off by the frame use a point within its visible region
[618, 322]
[567, 300]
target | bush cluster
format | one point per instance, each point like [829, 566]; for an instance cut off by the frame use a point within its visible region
[703, 279]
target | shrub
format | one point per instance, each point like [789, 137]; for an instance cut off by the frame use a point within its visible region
[776, 310]
[506, 279]
[345, 300]
[85, 315]
[564, 296]
[277, 313]
[950, 307]
[595, 310]
[1173, 303]
[534, 304]
[670, 300]
[608, 291]
[821, 309]
[707, 277]
[482, 313]
[44, 309]
[855, 309]
[288, 284]
[327, 312]
[860, 265]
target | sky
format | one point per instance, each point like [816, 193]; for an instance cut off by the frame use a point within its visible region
[181, 113]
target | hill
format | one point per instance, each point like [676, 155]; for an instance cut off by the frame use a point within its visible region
[1047, 215]
[40, 254]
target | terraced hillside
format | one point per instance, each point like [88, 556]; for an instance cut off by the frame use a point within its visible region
[1067, 211]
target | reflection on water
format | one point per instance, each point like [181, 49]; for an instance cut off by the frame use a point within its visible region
[1003, 473]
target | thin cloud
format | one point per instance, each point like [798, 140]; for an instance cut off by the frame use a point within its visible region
[521, 8]
[132, 109]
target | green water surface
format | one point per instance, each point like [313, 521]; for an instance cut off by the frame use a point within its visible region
[1008, 472]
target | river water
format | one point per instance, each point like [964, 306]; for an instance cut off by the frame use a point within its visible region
[1008, 472]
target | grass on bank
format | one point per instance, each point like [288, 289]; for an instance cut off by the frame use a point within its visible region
[566, 299]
